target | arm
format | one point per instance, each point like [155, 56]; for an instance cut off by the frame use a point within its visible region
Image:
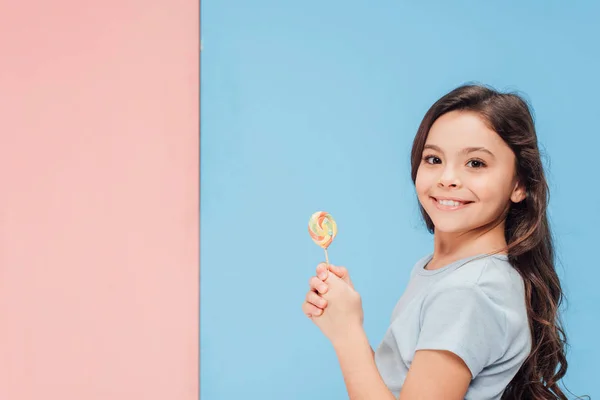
[436, 374]
[433, 374]
[357, 362]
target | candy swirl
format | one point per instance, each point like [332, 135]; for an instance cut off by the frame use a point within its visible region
[322, 228]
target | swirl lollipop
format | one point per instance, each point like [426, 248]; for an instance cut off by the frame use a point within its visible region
[322, 229]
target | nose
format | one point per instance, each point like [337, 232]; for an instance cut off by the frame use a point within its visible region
[449, 178]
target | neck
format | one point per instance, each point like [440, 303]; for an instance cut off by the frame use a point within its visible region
[455, 246]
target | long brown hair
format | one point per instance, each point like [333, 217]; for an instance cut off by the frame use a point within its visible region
[527, 232]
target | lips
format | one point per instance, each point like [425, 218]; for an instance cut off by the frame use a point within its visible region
[451, 198]
[450, 204]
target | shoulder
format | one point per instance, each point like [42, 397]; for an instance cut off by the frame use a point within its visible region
[493, 283]
[493, 276]
[419, 264]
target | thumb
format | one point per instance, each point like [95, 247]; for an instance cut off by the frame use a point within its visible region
[341, 272]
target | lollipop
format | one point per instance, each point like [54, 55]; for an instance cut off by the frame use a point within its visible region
[322, 229]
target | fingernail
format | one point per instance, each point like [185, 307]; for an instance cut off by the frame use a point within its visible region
[322, 275]
[322, 288]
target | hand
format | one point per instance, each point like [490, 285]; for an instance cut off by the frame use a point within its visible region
[315, 304]
[344, 310]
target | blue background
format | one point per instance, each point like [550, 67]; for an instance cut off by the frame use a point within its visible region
[313, 105]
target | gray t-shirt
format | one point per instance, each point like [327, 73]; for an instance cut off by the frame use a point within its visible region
[475, 308]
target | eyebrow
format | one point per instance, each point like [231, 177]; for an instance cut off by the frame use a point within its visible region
[466, 150]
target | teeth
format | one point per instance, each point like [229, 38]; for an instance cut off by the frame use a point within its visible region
[450, 203]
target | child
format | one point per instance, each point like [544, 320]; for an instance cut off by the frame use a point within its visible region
[479, 317]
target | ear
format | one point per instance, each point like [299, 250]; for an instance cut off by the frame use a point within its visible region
[519, 193]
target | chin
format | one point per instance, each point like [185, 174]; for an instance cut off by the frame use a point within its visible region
[450, 227]
[449, 224]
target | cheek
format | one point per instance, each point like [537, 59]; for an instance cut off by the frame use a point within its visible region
[493, 194]
[423, 182]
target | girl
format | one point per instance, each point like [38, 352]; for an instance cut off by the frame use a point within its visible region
[479, 317]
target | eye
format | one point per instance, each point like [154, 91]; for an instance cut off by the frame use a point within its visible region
[476, 164]
[430, 159]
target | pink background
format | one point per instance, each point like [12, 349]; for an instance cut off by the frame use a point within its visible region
[99, 205]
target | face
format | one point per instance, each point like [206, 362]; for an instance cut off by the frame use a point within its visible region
[467, 175]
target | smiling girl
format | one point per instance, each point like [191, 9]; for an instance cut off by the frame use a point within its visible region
[479, 316]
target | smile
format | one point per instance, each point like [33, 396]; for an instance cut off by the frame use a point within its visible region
[449, 205]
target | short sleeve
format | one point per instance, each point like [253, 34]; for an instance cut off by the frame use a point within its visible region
[465, 321]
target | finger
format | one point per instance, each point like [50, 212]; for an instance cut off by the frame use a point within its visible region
[322, 271]
[316, 300]
[311, 311]
[317, 285]
[341, 272]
